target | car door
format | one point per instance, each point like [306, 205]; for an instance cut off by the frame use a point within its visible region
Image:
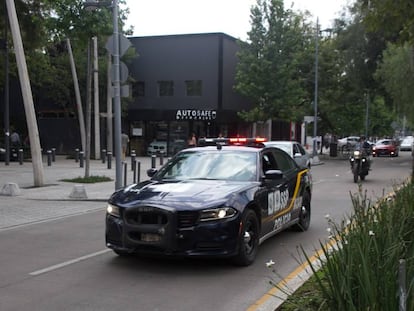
[277, 193]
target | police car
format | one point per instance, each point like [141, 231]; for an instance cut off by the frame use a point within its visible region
[219, 200]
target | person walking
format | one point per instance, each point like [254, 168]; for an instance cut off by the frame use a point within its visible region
[192, 142]
[125, 141]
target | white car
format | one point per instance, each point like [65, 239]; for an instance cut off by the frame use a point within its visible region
[407, 143]
[294, 149]
[349, 142]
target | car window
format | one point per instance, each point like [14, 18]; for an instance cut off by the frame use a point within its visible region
[269, 162]
[284, 161]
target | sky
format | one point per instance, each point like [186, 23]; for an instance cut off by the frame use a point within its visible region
[166, 17]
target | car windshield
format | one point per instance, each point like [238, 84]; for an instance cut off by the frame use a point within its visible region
[284, 147]
[217, 165]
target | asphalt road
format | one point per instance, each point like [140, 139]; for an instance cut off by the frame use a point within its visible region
[62, 263]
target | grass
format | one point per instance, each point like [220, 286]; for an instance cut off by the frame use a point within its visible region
[88, 180]
[364, 272]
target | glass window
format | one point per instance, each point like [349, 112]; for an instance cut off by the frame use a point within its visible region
[193, 88]
[165, 88]
[138, 89]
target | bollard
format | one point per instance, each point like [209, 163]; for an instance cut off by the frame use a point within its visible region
[109, 164]
[125, 173]
[81, 158]
[76, 155]
[53, 154]
[162, 158]
[21, 156]
[134, 173]
[138, 171]
[153, 159]
[49, 157]
[103, 155]
[133, 159]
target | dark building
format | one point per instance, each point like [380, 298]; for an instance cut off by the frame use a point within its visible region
[183, 84]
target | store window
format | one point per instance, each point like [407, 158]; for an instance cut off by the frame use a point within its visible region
[165, 88]
[138, 89]
[193, 88]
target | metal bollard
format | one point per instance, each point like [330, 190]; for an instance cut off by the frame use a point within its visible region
[133, 159]
[162, 158]
[138, 171]
[81, 158]
[153, 159]
[53, 154]
[76, 155]
[49, 157]
[103, 155]
[125, 173]
[109, 155]
[21, 156]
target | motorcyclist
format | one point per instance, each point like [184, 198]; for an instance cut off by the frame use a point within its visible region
[365, 148]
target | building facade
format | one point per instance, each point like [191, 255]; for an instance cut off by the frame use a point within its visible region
[183, 85]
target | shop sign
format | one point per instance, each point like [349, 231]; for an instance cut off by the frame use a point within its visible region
[195, 114]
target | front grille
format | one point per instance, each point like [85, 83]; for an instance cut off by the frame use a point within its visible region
[146, 216]
[187, 219]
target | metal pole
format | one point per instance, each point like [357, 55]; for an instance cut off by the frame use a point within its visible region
[96, 99]
[117, 100]
[6, 90]
[315, 121]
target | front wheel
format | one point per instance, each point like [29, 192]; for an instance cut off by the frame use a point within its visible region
[305, 214]
[248, 240]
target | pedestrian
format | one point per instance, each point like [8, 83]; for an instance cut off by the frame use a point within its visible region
[125, 141]
[15, 139]
[192, 141]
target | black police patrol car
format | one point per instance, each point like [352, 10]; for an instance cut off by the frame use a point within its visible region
[211, 201]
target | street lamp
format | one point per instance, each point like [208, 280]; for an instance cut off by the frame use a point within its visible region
[91, 5]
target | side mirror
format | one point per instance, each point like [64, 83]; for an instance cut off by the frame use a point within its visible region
[297, 155]
[151, 172]
[273, 174]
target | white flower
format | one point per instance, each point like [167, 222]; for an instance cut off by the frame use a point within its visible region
[348, 222]
[270, 263]
[371, 233]
[329, 230]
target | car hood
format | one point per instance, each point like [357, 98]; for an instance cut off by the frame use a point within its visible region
[194, 193]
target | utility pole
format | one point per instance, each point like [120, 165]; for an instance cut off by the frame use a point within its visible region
[96, 99]
[38, 173]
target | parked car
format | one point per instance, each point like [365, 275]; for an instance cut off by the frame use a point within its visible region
[385, 147]
[213, 201]
[407, 143]
[294, 149]
[157, 148]
[348, 142]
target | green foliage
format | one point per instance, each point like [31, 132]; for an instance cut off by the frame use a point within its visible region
[362, 273]
[89, 179]
[273, 68]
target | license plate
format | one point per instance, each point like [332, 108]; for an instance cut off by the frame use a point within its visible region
[150, 237]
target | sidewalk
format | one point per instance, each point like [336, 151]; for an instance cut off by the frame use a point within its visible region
[34, 204]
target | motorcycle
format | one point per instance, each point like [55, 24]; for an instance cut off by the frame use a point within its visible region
[360, 164]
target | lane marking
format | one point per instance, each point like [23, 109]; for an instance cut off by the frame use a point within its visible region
[69, 262]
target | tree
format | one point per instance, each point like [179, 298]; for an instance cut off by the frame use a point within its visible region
[274, 64]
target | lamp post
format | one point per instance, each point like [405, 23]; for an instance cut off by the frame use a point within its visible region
[116, 87]
[6, 90]
[315, 103]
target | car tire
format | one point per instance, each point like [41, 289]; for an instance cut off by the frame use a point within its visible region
[248, 240]
[305, 214]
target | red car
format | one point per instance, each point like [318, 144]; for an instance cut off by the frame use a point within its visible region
[385, 147]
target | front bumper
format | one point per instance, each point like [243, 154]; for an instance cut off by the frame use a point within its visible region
[157, 231]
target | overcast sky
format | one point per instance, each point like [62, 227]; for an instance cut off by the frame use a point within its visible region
[165, 17]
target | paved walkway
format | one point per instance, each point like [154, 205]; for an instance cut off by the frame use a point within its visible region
[56, 199]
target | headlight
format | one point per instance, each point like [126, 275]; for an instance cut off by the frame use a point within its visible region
[217, 213]
[357, 153]
[112, 210]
